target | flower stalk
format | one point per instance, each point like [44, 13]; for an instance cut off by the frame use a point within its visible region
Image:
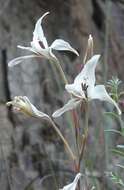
[59, 68]
[73, 113]
[85, 135]
[23, 104]
[63, 139]
[77, 131]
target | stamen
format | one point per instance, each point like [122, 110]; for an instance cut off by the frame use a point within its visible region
[84, 88]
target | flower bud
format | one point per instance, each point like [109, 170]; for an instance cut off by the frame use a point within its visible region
[23, 104]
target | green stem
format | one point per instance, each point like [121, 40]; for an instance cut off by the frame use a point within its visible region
[56, 76]
[77, 132]
[107, 32]
[121, 124]
[58, 66]
[75, 124]
[84, 141]
[63, 139]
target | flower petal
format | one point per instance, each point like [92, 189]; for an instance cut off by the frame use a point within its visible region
[35, 111]
[72, 186]
[75, 89]
[87, 75]
[27, 48]
[38, 31]
[37, 49]
[62, 45]
[71, 104]
[99, 92]
[41, 51]
[18, 60]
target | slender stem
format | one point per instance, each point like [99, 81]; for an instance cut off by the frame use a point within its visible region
[84, 140]
[55, 75]
[77, 132]
[58, 66]
[85, 134]
[106, 122]
[107, 32]
[121, 124]
[63, 139]
[75, 119]
[6, 165]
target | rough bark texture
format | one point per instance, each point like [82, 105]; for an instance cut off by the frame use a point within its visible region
[26, 143]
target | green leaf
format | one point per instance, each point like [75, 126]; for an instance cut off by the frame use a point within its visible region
[118, 152]
[116, 179]
[112, 115]
[113, 131]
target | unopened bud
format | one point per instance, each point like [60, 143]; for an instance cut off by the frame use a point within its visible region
[89, 50]
[23, 104]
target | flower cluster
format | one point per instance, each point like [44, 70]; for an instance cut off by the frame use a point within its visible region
[83, 89]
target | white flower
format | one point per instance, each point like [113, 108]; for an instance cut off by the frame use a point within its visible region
[40, 47]
[72, 186]
[23, 104]
[84, 88]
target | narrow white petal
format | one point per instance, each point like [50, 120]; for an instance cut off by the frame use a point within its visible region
[100, 93]
[18, 60]
[63, 45]
[38, 31]
[35, 111]
[39, 114]
[27, 48]
[87, 75]
[73, 185]
[39, 50]
[71, 104]
[75, 89]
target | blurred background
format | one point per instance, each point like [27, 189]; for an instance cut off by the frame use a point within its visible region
[32, 157]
